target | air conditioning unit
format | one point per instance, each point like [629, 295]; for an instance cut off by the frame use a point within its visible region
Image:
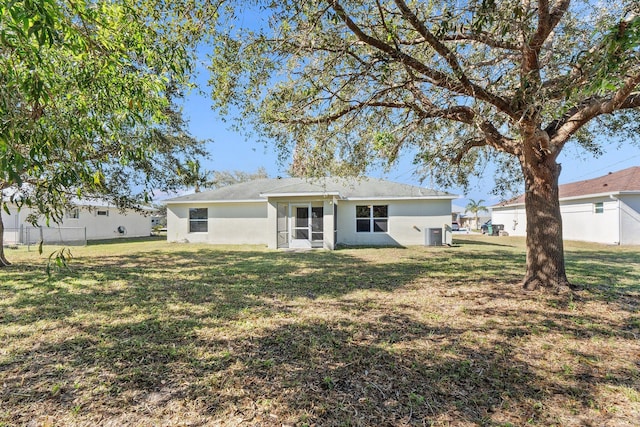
[433, 237]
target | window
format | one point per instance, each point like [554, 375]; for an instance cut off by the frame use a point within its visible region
[372, 218]
[102, 213]
[73, 213]
[598, 207]
[198, 220]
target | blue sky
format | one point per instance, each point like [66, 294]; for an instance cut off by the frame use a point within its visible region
[230, 151]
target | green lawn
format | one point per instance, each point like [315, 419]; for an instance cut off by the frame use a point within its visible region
[151, 333]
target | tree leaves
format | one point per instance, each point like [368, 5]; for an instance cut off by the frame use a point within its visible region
[87, 93]
[444, 78]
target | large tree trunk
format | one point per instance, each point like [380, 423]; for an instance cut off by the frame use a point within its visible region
[545, 249]
[3, 259]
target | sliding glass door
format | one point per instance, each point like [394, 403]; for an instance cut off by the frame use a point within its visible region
[307, 225]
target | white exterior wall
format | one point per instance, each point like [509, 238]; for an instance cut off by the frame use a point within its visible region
[229, 223]
[272, 218]
[514, 219]
[106, 227]
[328, 225]
[97, 227]
[408, 220]
[630, 220]
[580, 221]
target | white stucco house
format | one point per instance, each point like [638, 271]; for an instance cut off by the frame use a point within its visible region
[301, 213]
[602, 210]
[88, 220]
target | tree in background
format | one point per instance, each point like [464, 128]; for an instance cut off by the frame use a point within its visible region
[225, 178]
[346, 85]
[474, 207]
[87, 100]
[193, 175]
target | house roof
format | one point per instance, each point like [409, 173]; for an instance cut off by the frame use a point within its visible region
[354, 189]
[626, 180]
[81, 203]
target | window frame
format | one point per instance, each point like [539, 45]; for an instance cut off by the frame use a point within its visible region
[372, 223]
[199, 221]
[102, 212]
[598, 208]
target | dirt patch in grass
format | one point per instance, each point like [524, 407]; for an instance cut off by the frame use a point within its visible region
[152, 333]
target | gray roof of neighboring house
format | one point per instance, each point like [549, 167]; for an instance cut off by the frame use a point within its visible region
[362, 188]
[80, 203]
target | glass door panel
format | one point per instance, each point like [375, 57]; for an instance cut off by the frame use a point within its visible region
[317, 223]
[301, 222]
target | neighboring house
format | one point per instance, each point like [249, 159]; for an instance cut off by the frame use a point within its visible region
[301, 213]
[603, 210]
[158, 220]
[467, 219]
[86, 221]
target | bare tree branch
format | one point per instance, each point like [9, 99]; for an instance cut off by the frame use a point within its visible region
[471, 89]
[547, 21]
[466, 147]
[482, 38]
[574, 119]
[435, 77]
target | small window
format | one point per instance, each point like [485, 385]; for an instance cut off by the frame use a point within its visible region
[198, 220]
[372, 218]
[598, 207]
[73, 213]
[102, 212]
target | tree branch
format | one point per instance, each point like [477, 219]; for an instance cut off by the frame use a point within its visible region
[470, 88]
[437, 78]
[574, 119]
[468, 145]
[491, 135]
[483, 38]
[547, 21]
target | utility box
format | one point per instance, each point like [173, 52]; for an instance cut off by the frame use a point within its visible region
[433, 237]
[447, 238]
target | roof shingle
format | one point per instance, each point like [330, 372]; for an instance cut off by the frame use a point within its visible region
[614, 182]
[347, 188]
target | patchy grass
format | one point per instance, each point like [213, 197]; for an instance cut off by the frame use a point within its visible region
[151, 333]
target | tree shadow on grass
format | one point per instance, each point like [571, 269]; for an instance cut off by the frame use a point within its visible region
[618, 270]
[229, 281]
[328, 372]
[461, 241]
[213, 335]
[609, 276]
[126, 240]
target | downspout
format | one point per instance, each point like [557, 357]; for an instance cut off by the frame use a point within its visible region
[614, 197]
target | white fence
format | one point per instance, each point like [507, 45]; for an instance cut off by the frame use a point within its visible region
[67, 236]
